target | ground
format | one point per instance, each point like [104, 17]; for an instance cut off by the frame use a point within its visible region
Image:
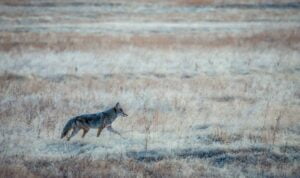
[212, 88]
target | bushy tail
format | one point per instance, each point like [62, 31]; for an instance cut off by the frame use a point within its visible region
[67, 127]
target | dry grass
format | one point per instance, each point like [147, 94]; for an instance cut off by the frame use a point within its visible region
[209, 92]
[283, 38]
[167, 132]
[118, 167]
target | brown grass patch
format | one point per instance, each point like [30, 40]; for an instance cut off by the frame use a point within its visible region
[194, 2]
[90, 42]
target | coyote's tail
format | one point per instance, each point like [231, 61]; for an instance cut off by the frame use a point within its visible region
[67, 127]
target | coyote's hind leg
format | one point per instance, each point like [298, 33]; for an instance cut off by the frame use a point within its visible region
[74, 132]
[84, 132]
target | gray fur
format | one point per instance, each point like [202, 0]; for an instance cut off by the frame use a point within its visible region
[98, 121]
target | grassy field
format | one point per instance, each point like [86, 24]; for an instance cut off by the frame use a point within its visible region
[212, 88]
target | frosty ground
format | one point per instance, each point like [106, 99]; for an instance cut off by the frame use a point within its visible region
[211, 89]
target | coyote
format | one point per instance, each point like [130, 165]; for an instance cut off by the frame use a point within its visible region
[98, 121]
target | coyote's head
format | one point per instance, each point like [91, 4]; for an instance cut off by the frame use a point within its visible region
[119, 110]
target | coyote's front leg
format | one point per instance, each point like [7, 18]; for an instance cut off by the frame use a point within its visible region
[109, 128]
[99, 130]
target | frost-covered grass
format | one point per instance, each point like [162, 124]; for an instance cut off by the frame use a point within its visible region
[220, 109]
[141, 61]
[208, 93]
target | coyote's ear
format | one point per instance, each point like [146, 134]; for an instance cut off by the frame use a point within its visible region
[117, 105]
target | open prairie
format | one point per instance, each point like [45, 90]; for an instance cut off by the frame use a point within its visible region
[211, 87]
